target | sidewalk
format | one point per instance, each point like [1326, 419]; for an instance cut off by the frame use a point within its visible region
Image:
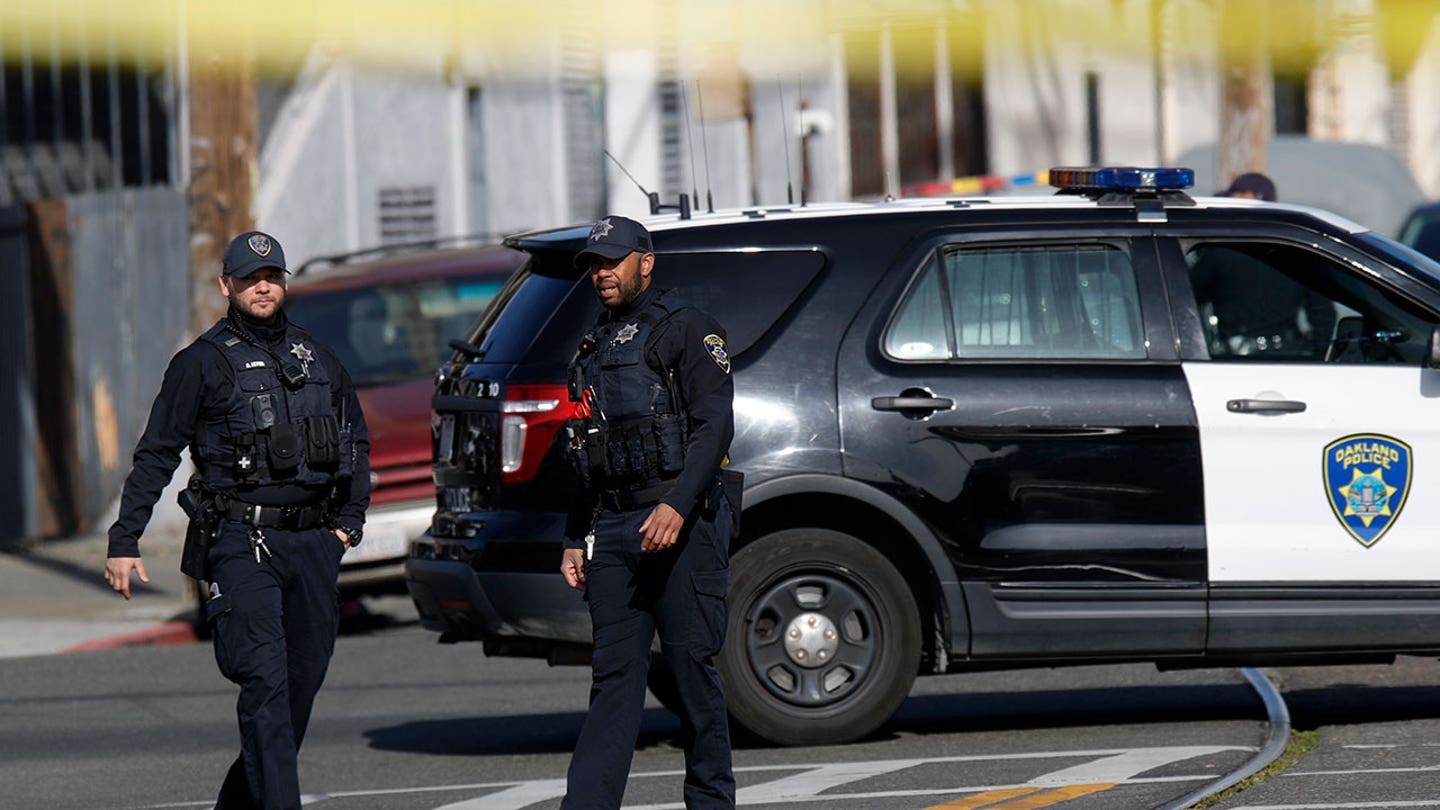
[53, 597]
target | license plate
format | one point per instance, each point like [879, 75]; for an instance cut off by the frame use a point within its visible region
[380, 542]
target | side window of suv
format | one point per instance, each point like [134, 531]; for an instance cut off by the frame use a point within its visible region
[1273, 302]
[1055, 302]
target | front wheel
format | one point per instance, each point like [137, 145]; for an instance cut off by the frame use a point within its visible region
[823, 641]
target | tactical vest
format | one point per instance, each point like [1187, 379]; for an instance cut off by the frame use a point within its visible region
[269, 431]
[635, 436]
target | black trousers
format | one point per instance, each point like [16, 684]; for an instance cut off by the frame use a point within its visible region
[681, 594]
[274, 625]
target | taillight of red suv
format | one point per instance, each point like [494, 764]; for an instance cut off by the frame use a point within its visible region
[531, 415]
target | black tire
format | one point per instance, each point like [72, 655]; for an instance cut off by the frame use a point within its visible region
[804, 582]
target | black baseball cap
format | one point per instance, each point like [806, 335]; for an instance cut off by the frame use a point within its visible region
[251, 251]
[614, 237]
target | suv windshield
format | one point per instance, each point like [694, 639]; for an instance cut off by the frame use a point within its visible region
[1406, 254]
[393, 333]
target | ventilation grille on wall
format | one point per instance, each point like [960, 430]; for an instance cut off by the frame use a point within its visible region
[407, 213]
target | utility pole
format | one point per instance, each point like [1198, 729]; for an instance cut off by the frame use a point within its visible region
[1247, 91]
[223, 132]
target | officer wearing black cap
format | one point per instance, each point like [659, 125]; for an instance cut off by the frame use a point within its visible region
[649, 541]
[281, 486]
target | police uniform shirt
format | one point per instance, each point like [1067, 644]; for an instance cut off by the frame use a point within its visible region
[200, 379]
[707, 394]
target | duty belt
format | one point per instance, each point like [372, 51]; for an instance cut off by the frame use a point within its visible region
[293, 518]
[625, 500]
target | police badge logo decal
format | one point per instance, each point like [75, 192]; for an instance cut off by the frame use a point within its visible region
[1367, 478]
[259, 243]
[601, 229]
[715, 345]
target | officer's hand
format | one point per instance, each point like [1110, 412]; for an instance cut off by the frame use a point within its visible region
[572, 566]
[344, 538]
[661, 528]
[117, 573]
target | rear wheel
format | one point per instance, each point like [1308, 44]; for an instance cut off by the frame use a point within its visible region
[823, 641]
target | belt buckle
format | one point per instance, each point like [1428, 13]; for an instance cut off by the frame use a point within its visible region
[254, 514]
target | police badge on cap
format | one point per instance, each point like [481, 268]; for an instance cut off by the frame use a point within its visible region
[251, 251]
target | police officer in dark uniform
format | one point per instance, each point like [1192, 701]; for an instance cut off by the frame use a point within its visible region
[280, 491]
[649, 541]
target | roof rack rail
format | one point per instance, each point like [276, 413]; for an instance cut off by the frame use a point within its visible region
[394, 248]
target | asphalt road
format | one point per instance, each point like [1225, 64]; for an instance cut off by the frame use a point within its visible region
[406, 723]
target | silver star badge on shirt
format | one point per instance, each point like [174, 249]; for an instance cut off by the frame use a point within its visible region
[626, 334]
[301, 351]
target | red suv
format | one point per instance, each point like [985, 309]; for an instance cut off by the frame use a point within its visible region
[390, 321]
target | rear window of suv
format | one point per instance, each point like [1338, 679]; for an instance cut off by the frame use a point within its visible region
[550, 305]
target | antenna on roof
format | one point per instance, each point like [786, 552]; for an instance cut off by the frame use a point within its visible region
[704, 147]
[689, 142]
[653, 196]
[785, 141]
[804, 162]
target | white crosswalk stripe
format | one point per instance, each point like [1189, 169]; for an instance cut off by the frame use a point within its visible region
[805, 783]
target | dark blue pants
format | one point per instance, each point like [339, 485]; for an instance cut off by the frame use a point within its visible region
[679, 593]
[274, 625]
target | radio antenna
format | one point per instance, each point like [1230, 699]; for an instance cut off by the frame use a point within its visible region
[653, 196]
[785, 142]
[689, 143]
[626, 171]
[800, 130]
[704, 147]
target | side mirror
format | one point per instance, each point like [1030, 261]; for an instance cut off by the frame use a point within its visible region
[1432, 349]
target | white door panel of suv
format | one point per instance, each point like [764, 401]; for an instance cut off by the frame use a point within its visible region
[1317, 420]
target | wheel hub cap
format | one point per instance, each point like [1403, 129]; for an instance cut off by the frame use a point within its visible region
[811, 640]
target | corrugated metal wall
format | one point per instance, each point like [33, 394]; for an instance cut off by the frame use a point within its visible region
[110, 303]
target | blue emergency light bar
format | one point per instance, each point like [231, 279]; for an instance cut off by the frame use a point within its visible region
[1121, 178]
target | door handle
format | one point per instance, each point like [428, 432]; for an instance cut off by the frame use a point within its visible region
[912, 403]
[1264, 406]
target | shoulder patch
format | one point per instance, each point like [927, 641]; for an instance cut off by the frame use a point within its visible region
[715, 345]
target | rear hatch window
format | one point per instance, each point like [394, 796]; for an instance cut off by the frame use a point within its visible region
[499, 415]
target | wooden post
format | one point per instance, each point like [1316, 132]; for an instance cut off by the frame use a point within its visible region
[1247, 103]
[223, 134]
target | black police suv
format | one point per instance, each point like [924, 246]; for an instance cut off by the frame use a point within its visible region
[1114, 424]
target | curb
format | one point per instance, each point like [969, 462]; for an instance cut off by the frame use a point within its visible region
[172, 632]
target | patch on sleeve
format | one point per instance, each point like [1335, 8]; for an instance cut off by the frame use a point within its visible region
[715, 345]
